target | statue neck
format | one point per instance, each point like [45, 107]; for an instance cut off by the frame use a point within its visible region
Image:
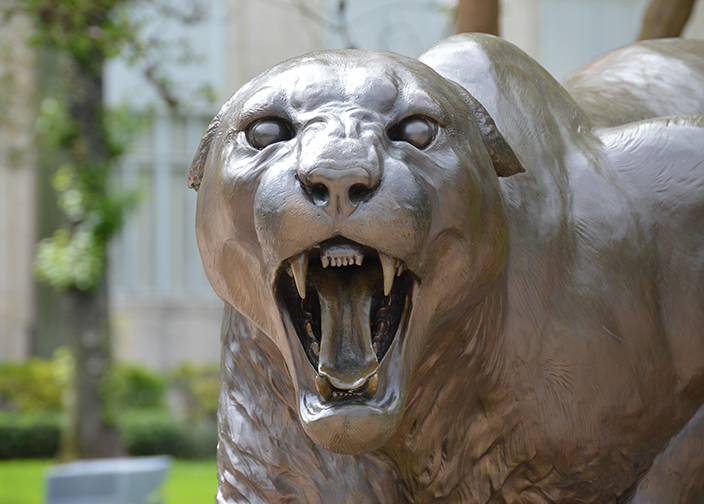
[458, 422]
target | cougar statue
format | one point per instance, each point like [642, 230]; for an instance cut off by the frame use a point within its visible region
[452, 279]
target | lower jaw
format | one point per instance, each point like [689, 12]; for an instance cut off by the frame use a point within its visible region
[357, 425]
[350, 428]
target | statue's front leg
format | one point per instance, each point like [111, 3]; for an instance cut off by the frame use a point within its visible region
[677, 474]
[264, 456]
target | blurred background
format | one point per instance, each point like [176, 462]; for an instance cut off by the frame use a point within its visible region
[106, 318]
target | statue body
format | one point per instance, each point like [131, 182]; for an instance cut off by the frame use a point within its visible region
[453, 280]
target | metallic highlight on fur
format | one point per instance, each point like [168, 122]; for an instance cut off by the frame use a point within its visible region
[453, 280]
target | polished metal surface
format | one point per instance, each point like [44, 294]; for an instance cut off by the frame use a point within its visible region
[450, 280]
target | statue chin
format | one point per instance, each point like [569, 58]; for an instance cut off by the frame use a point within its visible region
[349, 428]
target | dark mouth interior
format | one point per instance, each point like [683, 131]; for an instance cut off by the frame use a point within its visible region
[386, 310]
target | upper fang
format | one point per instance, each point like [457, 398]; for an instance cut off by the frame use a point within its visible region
[299, 271]
[388, 266]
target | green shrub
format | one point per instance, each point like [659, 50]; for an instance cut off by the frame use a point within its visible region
[131, 387]
[160, 433]
[134, 396]
[29, 435]
[203, 440]
[145, 432]
[136, 387]
[29, 386]
[199, 385]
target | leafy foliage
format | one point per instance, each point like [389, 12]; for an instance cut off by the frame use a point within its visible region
[30, 386]
[144, 432]
[75, 256]
[36, 385]
[84, 136]
[132, 387]
[81, 28]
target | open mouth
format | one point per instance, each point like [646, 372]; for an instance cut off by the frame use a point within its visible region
[347, 303]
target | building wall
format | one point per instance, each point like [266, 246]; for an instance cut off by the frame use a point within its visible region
[406, 28]
[695, 26]
[260, 34]
[164, 310]
[17, 186]
[564, 34]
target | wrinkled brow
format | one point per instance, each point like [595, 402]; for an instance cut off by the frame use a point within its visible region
[267, 101]
[373, 90]
[311, 87]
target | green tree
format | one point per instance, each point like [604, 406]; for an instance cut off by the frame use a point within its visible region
[82, 34]
[665, 18]
[79, 36]
[477, 16]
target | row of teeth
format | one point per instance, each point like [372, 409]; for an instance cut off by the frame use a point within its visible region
[298, 268]
[369, 389]
[342, 261]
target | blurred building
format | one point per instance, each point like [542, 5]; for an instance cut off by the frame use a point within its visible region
[17, 183]
[164, 310]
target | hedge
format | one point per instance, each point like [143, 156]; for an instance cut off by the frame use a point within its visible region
[134, 398]
[159, 433]
[24, 435]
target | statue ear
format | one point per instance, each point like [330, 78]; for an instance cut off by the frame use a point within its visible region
[195, 174]
[505, 161]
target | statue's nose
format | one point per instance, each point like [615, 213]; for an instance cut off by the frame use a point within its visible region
[339, 165]
[338, 190]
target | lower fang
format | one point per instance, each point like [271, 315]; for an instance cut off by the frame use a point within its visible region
[323, 386]
[371, 386]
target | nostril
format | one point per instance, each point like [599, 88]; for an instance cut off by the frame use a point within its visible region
[337, 190]
[319, 193]
[357, 192]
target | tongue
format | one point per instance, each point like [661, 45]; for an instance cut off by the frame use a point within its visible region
[346, 359]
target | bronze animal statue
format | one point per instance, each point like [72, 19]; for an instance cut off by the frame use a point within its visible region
[453, 280]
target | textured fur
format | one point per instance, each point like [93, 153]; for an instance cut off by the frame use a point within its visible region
[555, 344]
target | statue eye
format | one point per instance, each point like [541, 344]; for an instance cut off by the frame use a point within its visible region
[417, 131]
[268, 131]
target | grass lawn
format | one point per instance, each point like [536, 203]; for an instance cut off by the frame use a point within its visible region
[188, 482]
[22, 481]
[191, 482]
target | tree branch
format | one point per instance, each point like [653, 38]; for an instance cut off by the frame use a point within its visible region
[478, 16]
[665, 18]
